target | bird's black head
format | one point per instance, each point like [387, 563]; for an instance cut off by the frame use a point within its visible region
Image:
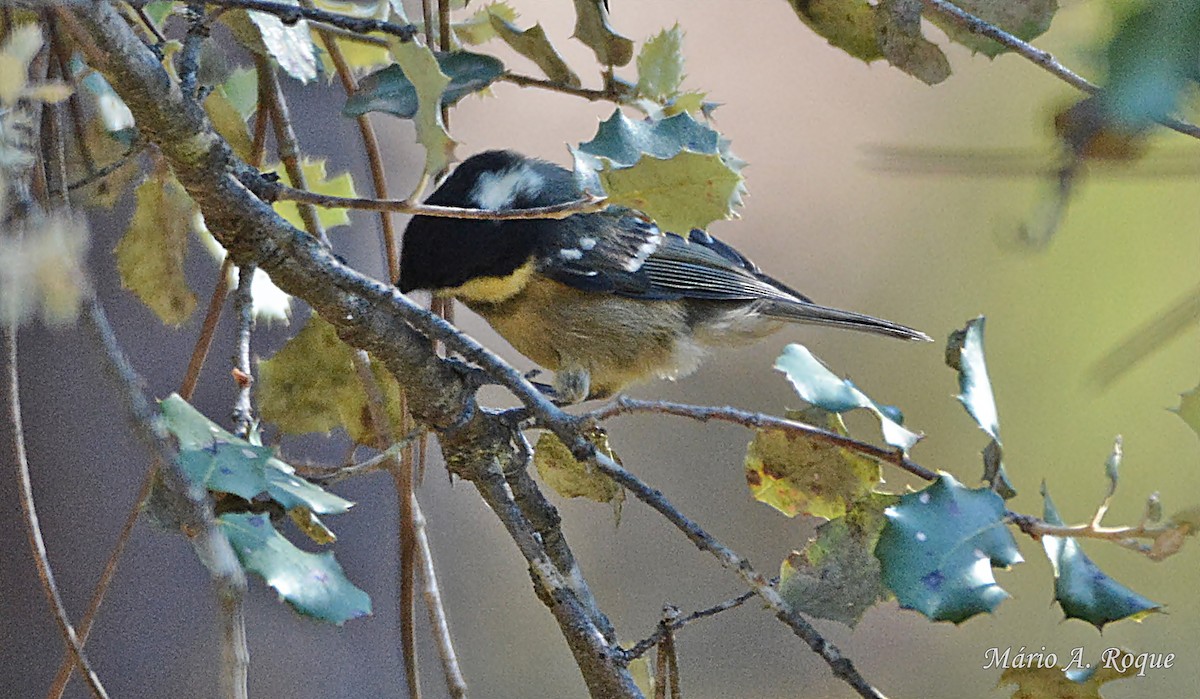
[442, 253]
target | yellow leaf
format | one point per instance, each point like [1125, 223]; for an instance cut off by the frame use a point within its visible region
[229, 123]
[341, 185]
[571, 478]
[150, 255]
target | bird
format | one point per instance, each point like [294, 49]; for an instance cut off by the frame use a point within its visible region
[604, 299]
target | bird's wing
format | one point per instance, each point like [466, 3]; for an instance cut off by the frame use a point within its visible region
[622, 253]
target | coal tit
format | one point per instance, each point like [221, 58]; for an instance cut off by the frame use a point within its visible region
[604, 299]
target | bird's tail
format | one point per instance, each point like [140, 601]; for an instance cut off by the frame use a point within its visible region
[837, 318]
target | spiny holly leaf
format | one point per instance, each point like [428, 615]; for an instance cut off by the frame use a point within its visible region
[837, 576]
[939, 547]
[593, 29]
[318, 180]
[150, 254]
[310, 385]
[479, 28]
[1025, 19]
[533, 44]
[290, 46]
[571, 478]
[676, 170]
[314, 584]
[898, 30]
[219, 460]
[964, 354]
[1189, 409]
[847, 24]
[1151, 59]
[1065, 682]
[660, 65]
[797, 475]
[389, 90]
[360, 55]
[815, 383]
[1082, 590]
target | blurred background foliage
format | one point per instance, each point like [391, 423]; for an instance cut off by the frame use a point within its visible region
[829, 212]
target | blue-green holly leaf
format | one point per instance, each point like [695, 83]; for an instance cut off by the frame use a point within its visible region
[818, 385]
[390, 91]
[1082, 590]
[313, 583]
[964, 354]
[218, 460]
[939, 546]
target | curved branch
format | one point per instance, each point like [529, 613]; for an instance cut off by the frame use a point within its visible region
[290, 14]
[33, 530]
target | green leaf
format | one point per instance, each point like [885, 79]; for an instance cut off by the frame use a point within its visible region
[1189, 409]
[1082, 590]
[533, 44]
[571, 478]
[898, 31]
[219, 460]
[675, 170]
[964, 354]
[797, 475]
[310, 385]
[837, 576]
[317, 180]
[939, 547]
[158, 11]
[847, 24]
[229, 122]
[390, 91]
[313, 583]
[479, 28]
[1025, 19]
[1152, 57]
[660, 65]
[815, 383]
[150, 254]
[593, 29]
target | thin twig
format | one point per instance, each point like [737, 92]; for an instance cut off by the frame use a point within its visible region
[243, 304]
[609, 95]
[208, 330]
[286, 143]
[456, 684]
[703, 413]
[401, 470]
[33, 530]
[188, 62]
[229, 580]
[95, 175]
[277, 191]
[63, 55]
[66, 667]
[639, 649]
[1041, 58]
[290, 14]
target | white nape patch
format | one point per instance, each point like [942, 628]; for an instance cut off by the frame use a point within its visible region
[497, 190]
[570, 254]
[587, 243]
[645, 250]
